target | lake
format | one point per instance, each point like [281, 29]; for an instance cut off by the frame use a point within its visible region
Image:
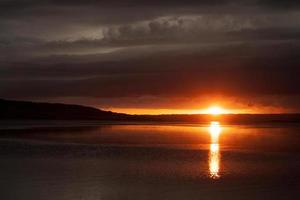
[91, 160]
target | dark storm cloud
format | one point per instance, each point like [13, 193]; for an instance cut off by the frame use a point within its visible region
[167, 30]
[159, 3]
[243, 69]
[105, 9]
[76, 20]
[278, 4]
[165, 49]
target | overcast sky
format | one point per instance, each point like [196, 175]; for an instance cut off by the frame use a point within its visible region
[137, 54]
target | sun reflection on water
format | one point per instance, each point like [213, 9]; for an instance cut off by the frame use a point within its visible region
[214, 151]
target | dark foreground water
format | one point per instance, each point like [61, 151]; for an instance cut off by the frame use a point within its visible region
[89, 161]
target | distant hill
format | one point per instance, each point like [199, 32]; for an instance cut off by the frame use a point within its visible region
[23, 110]
[55, 111]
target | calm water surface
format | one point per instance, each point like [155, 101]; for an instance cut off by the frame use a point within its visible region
[80, 160]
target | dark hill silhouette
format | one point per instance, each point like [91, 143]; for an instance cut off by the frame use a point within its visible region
[23, 110]
[55, 111]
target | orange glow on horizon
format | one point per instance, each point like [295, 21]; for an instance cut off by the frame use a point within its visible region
[159, 111]
[213, 110]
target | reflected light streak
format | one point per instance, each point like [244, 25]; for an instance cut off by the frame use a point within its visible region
[215, 130]
[214, 151]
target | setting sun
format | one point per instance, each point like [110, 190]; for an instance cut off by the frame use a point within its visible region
[215, 110]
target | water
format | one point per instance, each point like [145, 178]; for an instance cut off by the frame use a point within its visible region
[85, 160]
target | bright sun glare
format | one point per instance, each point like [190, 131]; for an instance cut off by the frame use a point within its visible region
[215, 110]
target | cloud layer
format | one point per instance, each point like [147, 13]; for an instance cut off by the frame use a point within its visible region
[146, 52]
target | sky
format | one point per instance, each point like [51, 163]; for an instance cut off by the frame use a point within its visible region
[156, 56]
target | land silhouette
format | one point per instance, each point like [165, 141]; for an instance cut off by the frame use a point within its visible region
[25, 110]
